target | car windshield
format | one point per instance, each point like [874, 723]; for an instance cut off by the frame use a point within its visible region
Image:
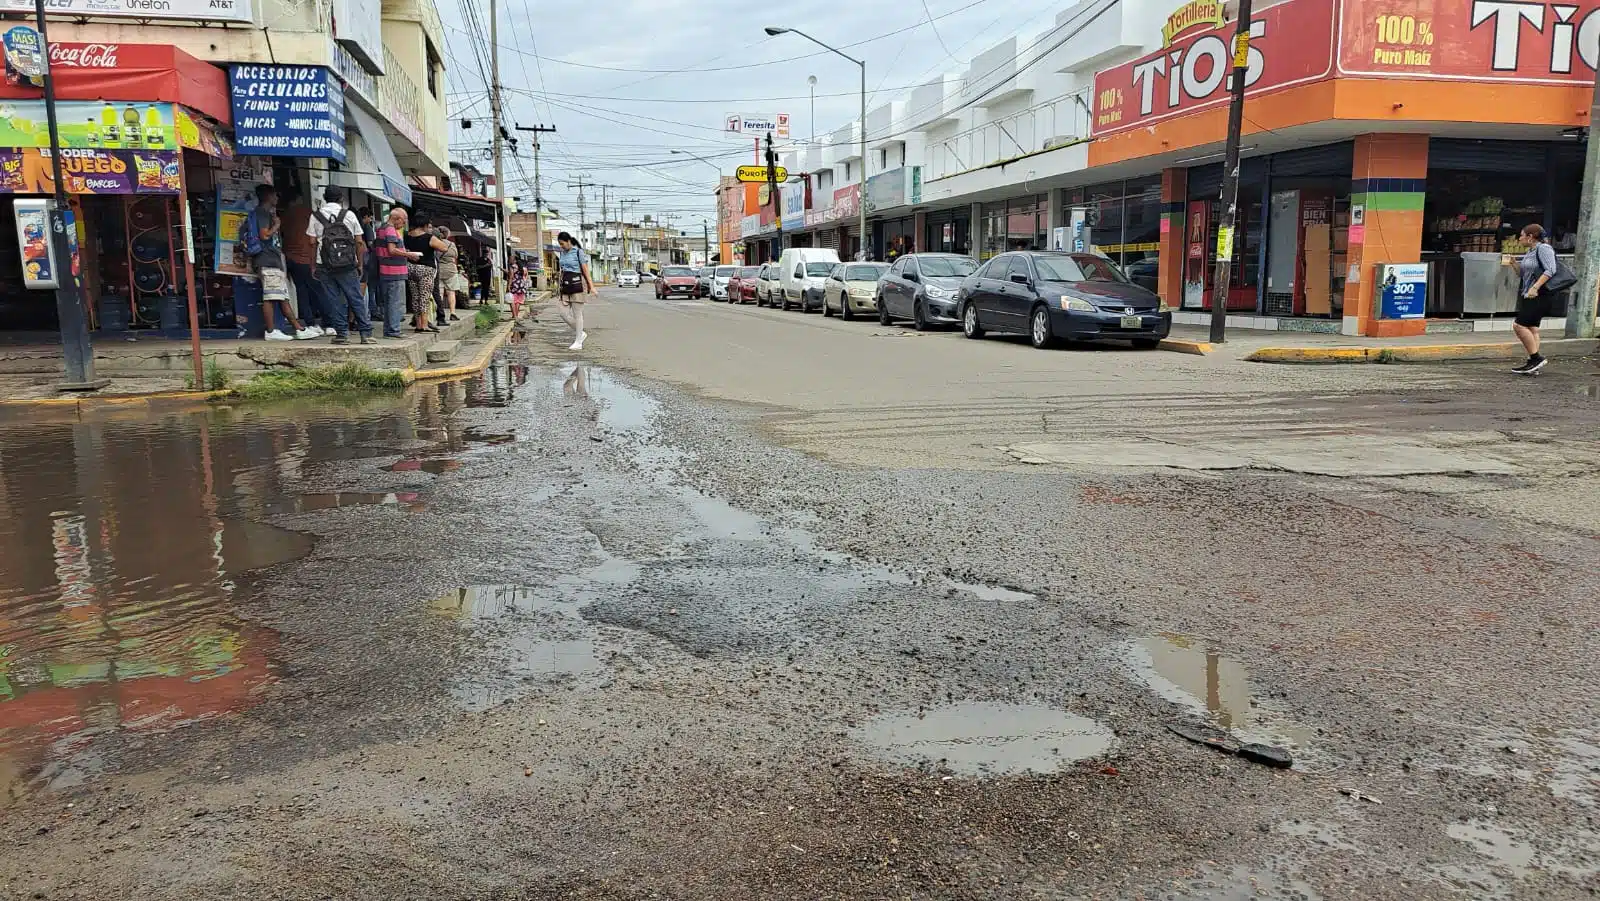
[819, 270]
[675, 272]
[1078, 268]
[863, 273]
[946, 267]
[749, 272]
[724, 271]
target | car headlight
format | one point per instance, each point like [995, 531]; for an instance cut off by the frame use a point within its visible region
[1073, 303]
[860, 292]
[937, 292]
[1163, 308]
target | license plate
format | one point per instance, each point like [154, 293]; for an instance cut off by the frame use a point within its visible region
[1131, 322]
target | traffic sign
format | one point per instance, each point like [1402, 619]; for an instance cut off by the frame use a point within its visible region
[759, 173]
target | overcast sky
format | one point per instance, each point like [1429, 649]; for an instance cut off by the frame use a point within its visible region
[585, 67]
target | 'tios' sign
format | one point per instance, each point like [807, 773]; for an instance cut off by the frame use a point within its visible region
[1291, 43]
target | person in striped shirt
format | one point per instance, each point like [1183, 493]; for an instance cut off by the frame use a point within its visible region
[394, 265]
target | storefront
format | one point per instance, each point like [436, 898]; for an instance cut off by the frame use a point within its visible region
[1017, 224]
[1372, 137]
[140, 130]
[948, 231]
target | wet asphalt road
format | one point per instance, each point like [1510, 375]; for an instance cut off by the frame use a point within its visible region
[753, 605]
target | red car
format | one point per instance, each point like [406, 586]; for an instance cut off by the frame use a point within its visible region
[749, 278]
[677, 281]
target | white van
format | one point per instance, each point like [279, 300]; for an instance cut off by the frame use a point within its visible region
[802, 272]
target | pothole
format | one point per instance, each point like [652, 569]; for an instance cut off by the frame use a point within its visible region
[982, 738]
[1189, 672]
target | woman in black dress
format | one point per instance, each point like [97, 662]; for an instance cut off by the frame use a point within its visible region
[420, 237]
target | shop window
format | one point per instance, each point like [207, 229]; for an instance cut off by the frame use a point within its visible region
[435, 70]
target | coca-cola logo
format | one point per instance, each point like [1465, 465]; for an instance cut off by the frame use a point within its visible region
[84, 56]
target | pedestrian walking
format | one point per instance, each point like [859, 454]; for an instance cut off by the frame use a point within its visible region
[576, 284]
[262, 237]
[394, 266]
[1538, 267]
[424, 271]
[341, 253]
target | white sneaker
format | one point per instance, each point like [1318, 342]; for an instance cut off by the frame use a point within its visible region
[276, 335]
[578, 344]
[307, 333]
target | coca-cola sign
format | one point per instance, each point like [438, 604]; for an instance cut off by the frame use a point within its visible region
[84, 56]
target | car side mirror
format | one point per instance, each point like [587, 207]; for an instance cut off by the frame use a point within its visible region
[911, 277]
[1020, 279]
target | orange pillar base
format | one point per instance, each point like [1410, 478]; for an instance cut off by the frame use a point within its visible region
[1395, 328]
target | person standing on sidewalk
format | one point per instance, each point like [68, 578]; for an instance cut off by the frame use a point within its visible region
[262, 237]
[301, 253]
[575, 285]
[449, 275]
[340, 255]
[394, 266]
[424, 274]
[1538, 267]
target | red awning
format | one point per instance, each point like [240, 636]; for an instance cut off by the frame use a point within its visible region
[139, 72]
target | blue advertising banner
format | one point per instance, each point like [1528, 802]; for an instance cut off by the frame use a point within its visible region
[1405, 291]
[287, 111]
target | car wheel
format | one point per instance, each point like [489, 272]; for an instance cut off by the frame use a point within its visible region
[919, 317]
[1039, 328]
[759, 302]
[1147, 343]
[883, 312]
[969, 321]
[845, 312]
[827, 311]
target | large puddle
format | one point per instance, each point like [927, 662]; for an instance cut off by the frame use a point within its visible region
[1193, 673]
[124, 541]
[986, 738]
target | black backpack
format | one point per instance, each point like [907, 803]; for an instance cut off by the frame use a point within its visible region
[338, 242]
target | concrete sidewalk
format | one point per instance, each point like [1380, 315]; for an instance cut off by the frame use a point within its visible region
[1307, 347]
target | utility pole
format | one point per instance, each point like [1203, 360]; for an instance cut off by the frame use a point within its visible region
[777, 199]
[499, 146]
[76, 350]
[581, 184]
[538, 194]
[1581, 300]
[604, 232]
[627, 252]
[1230, 179]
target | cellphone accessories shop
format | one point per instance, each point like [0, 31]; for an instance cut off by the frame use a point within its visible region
[1375, 133]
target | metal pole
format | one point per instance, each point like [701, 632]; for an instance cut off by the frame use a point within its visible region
[861, 202]
[499, 161]
[188, 278]
[1230, 179]
[538, 198]
[76, 350]
[1582, 299]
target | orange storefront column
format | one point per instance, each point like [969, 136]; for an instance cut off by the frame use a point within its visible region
[1169, 265]
[1388, 183]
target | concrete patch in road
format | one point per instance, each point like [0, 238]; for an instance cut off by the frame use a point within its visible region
[980, 738]
[1329, 455]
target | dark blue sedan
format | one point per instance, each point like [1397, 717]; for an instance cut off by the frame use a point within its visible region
[1054, 297]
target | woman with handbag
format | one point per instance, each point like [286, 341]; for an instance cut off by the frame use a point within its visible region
[575, 285]
[1543, 279]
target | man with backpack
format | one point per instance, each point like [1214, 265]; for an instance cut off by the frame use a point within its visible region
[261, 235]
[341, 256]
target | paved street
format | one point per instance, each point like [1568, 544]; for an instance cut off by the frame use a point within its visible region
[742, 604]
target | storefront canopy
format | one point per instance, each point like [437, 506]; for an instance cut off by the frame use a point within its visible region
[370, 163]
[448, 203]
[133, 72]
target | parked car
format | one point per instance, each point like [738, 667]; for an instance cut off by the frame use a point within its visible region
[647, 277]
[736, 285]
[1056, 296]
[922, 287]
[627, 278]
[852, 288]
[676, 281]
[702, 280]
[767, 286]
[801, 272]
[719, 282]
[1145, 273]
[749, 280]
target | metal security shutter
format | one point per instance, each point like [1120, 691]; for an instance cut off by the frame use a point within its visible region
[1485, 156]
[829, 238]
[1205, 181]
[1330, 159]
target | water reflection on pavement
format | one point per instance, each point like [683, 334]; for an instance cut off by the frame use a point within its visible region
[122, 539]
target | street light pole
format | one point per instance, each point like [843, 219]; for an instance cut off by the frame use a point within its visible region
[76, 349]
[811, 82]
[861, 202]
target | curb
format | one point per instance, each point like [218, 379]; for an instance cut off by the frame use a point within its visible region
[1418, 353]
[110, 400]
[495, 340]
[1197, 348]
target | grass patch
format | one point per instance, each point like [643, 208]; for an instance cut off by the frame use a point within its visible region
[486, 318]
[1386, 356]
[216, 378]
[345, 377]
